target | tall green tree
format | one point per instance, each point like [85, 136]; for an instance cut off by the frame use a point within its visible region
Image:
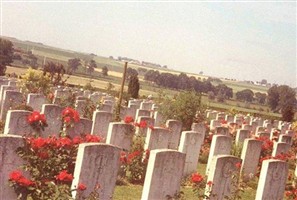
[133, 87]
[186, 107]
[6, 54]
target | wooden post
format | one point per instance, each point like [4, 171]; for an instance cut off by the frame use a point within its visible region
[118, 110]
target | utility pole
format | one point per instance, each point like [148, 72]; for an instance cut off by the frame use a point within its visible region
[118, 110]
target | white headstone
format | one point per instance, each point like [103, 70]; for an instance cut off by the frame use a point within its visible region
[96, 164]
[53, 115]
[101, 120]
[11, 99]
[157, 138]
[222, 169]
[190, 144]
[280, 147]
[17, 123]
[250, 156]
[36, 101]
[10, 161]
[272, 180]
[241, 135]
[163, 175]
[84, 126]
[120, 134]
[220, 145]
[175, 128]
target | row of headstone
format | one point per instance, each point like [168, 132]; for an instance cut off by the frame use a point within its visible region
[97, 167]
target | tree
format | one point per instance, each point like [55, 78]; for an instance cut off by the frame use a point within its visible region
[273, 97]
[91, 66]
[130, 72]
[55, 72]
[264, 82]
[183, 108]
[73, 64]
[133, 87]
[245, 95]
[104, 71]
[260, 97]
[6, 54]
[282, 98]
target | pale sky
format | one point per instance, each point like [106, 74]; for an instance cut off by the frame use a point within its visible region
[242, 40]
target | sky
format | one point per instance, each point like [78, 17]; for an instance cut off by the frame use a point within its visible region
[239, 40]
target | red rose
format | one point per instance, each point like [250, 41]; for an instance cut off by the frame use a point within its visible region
[92, 138]
[63, 142]
[128, 119]
[15, 175]
[197, 178]
[38, 143]
[67, 119]
[143, 124]
[64, 176]
[209, 183]
[25, 182]
[238, 165]
[81, 187]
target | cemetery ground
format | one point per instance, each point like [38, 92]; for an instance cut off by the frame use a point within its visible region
[91, 150]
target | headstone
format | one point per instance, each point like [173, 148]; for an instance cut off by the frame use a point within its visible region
[247, 127]
[157, 138]
[36, 101]
[131, 111]
[11, 99]
[272, 180]
[101, 120]
[120, 134]
[146, 105]
[17, 123]
[220, 145]
[143, 131]
[290, 133]
[241, 135]
[53, 115]
[229, 118]
[190, 144]
[84, 126]
[285, 138]
[140, 113]
[10, 161]
[250, 156]
[159, 119]
[3, 88]
[220, 116]
[214, 124]
[106, 108]
[222, 131]
[280, 147]
[95, 98]
[222, 169]
[96, 165]
[175, 128]
[87, 93]
[200, 128]
[163, 175]
[212, 115]
[80, 106]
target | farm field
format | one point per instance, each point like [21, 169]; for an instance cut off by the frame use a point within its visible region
[149, 89]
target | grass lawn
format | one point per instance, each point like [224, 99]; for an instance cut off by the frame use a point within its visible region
[133, 192]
